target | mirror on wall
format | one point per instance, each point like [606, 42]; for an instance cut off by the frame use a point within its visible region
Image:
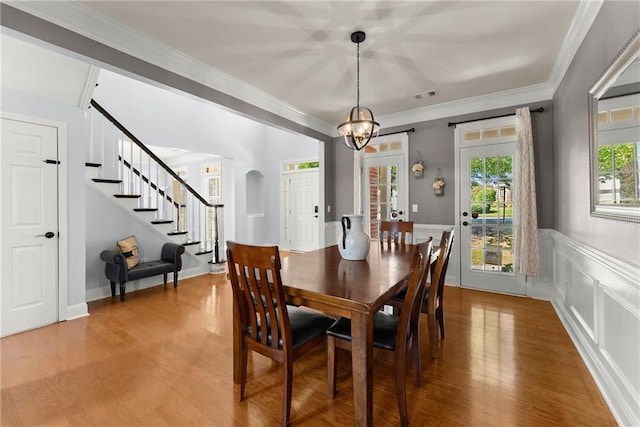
[614, 131]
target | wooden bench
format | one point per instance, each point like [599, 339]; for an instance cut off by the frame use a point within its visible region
[116, 268]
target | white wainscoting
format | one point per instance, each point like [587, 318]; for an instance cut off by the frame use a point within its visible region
[597, 298]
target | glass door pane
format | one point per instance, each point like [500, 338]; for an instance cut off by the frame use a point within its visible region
[384, 193]
[487, 221]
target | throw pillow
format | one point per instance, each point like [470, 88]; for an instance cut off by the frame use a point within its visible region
[129, 248]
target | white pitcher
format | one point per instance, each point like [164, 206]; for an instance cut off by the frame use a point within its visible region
[354, 243]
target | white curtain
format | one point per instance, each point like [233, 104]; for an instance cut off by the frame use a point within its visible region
[526, 256]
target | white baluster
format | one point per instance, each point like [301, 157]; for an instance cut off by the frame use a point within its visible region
[132, 188]
[149, 198]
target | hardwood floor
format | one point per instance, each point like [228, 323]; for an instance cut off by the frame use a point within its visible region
[164, 357]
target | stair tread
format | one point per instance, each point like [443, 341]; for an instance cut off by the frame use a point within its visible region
[109, 181]
[162, 221]
[191, 243]
[145, 209]
[127, 196]
[203, 252]
[93, 165]
[176, 233]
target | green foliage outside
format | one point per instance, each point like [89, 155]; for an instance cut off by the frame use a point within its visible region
[619, 161]
[308, 165]
[493, 170]
[477, 196]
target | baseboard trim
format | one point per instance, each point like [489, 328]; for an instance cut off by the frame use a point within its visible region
[76, 311]
[104, 291]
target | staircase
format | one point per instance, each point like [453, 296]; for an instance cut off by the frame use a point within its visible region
[122, 167]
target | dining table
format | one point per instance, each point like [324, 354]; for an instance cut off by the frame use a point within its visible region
[322, 280]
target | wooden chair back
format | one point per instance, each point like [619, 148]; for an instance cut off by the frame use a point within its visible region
[439, 270]
[419, 268]
[262, 318]
[407, 332]
[398, 232]
[433, 306]
[263, 322]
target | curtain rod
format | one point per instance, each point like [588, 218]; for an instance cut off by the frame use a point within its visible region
[400, 131]
[453, 124]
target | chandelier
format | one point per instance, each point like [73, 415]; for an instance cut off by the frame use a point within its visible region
[360, 124]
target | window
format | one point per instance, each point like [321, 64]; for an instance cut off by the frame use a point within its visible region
[619, 151]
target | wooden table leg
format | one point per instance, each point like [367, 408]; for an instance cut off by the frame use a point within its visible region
[362, 362]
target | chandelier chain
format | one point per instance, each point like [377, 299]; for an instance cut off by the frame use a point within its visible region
[358, 76]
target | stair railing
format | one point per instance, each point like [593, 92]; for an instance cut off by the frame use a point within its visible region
[157, 187]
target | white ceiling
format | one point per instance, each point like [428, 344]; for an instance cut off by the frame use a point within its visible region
[298, 54]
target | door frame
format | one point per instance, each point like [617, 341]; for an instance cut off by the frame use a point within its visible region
[403, 179]
[478, 124]
[286, 174]
[63, 229]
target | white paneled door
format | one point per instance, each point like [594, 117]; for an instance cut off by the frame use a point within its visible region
[29, 248]
[304, 210]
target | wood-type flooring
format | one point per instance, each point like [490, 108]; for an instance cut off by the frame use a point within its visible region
[164, 357]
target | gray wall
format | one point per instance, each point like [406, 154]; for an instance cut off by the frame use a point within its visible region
[615, 24]
[435, 142]
[106, 223]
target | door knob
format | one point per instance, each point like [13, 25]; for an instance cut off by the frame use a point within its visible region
[48, 234]
[465, 223]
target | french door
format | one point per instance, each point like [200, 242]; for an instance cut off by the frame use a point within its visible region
[385, 183]
[487, 217]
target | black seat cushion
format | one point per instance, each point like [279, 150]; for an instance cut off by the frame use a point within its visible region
[150, 268]
[385, 326]
[305, 325]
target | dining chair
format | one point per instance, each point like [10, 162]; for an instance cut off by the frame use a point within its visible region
[263, 322]
[393, 333]
[433, 300]
[396, 231]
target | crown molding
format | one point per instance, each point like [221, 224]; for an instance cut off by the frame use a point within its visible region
[507, 98]
[582, 20]
[82, 20]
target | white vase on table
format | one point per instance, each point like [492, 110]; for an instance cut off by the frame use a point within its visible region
[354, 242]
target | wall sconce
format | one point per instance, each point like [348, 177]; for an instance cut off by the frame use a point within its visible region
[438, 185]
[418, 168]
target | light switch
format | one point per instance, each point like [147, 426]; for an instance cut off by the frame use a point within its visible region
[414, 207]
[328, 208]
